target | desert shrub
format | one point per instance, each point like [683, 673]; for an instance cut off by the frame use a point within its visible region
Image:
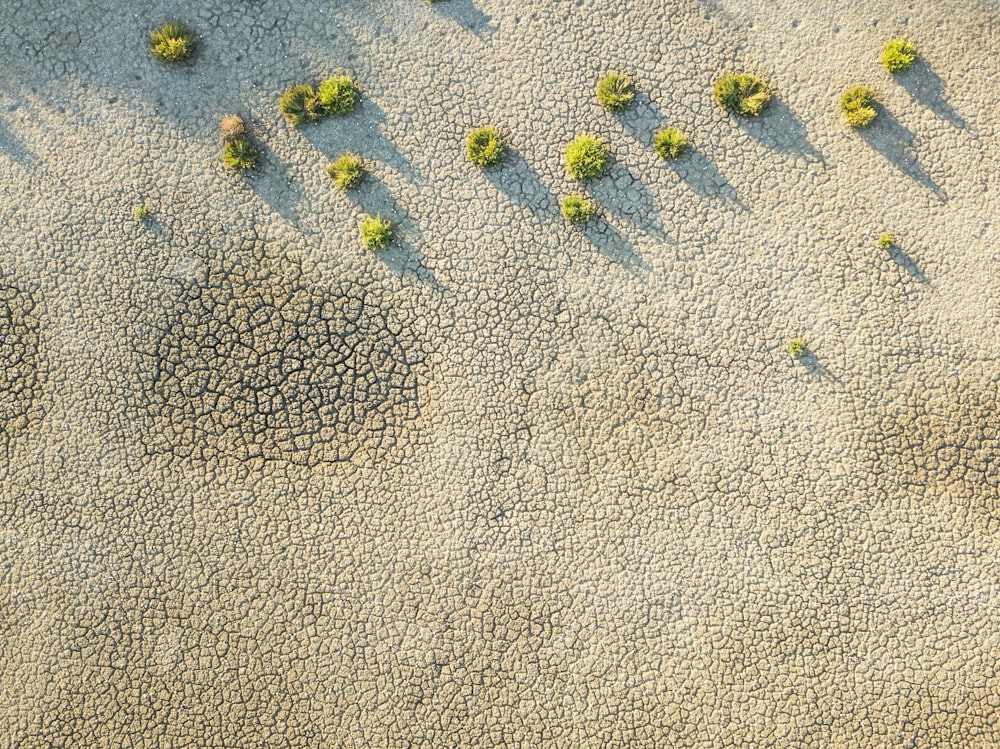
[856, 104]
[577, 209]
[615, 91]
[796, 347]
[743, 94]
[171, 43]
[347, 171]
[231, 126]
[586, 158]
[898, 55]
[670, 143]
[483, 147]
[337, 95]
[299, 104]
[239, 154]
[375, 232]
[886, 240]
[140, 213]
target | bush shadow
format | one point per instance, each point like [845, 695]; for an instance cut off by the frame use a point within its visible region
[519, 181]
[273, 183]
[926, 87]
[780, 130]
[468, 16]
[889, 137]
[814, 366]
[907, 263]
[642, 119]
[14, 146]
[608, 241]
[703, 177]
[625, 196]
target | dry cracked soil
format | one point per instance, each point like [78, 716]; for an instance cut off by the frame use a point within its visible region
[507, 483]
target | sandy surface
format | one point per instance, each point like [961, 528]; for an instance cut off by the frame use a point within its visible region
[507, 483]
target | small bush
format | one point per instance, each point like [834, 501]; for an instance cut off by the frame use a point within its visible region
[347, 171]
[886, 240]
[856, 104]
[337, 95]
[796, 347]
[586, 158]
[375, 232]
[171, 43]
[615, 92]
[743, 94]
[483, 147]
[577, 209]
[670, 143]
[898, 55]
[231, 126]
[239, 155]
[140, 213]
[299, 104]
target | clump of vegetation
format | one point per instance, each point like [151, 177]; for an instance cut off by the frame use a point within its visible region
[615, 91]
[347, 171]
[886, 240]
[856, 104]
[743, 94]
[670, 143]
[586, 158]
[796, 347]
[231, 126]
[484, 147]
[239, 154]
[337, 95]
[300, 104]
[375, 231]
[577, 209]
[140, 212]
[171, 43]
[898, 55]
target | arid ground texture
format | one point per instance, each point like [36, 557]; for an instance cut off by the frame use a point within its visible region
[508, 482]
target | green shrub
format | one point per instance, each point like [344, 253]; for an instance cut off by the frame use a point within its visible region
[898, 55]
[615, 92]
[239, 154]
[171, 43]
[670, 143]
[586, 158]
[337, 95]
[483, 147]
[577, 208]
[796, 347]
[140, 212]
[856, 104]
[299, 104]
[886, 240]
[347, 171]
[375, 232]
[743, 94]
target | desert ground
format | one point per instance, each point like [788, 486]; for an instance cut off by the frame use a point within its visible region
[508, 482]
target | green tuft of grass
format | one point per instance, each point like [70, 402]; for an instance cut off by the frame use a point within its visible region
[484, 147]
[898, 55]
[140, 212]
[375, 231]
[586, 158]
[337, 95]
[670, 143]
[347, 171]
[239, 154]
[171, 43]
[577, 209]
[615, 91]
[743, 94]
[856, 104]
[300, 104]
[886, 240]
[796, 347]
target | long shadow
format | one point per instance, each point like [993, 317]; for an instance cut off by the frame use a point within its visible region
[702, 176]
[926, 87]
[907, 263]
[275, 185]
[642, 119]
[468, 16]
[625, 196]
[780, 130]
[517, 179]
[11, 144]
[893, 140]
[607, 240]
[813, 365]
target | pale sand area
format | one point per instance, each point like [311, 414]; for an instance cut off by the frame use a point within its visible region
[506, 484]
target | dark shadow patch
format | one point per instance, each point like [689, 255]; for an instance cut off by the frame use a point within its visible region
[703, 177]
[468, 16]
[642, 119]
[907, 263]
[926, 87]
[625, 196]
[12, 145]
[811, 363]
[517, 179]
[894, 141]
[274, 184]
[780, 130]
[607, 240]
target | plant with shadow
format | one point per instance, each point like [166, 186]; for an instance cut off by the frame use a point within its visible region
[577, 209]
[337, 95]
[300, 104]
[898, 55]
[140, 212]
[171, 43]
[375, 232]
[239, 154]
[886, 240]
[796, 347]
[231, 126]
[586, 158]
[347, 171]
[615, 91]
[856, 104]
[484, 147]
[670, 143]
[743, 94]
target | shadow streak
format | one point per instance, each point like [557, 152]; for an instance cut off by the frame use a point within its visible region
[642, 119]
[702, 176]
[625, 196]
[813, 365]
[607, 240]
[519, 181]
[780, 130]
[926, 86]
[468, 16]
[11, 144]
[893, 140]
[273, 184]
[907, 263]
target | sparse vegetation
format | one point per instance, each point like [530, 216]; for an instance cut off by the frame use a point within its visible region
[670, 143]
[742, 93]
[577, 209]
[375, 231]
[347, 171]
[140, 212]
[615, 92]
[483, 147]
[898, 55]
[796, 347]
[586, 158]
[239, 154]
[337, 95]
[171, 43]
[300, 104]
[231, 126]
[856, 104]
[886, 240]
